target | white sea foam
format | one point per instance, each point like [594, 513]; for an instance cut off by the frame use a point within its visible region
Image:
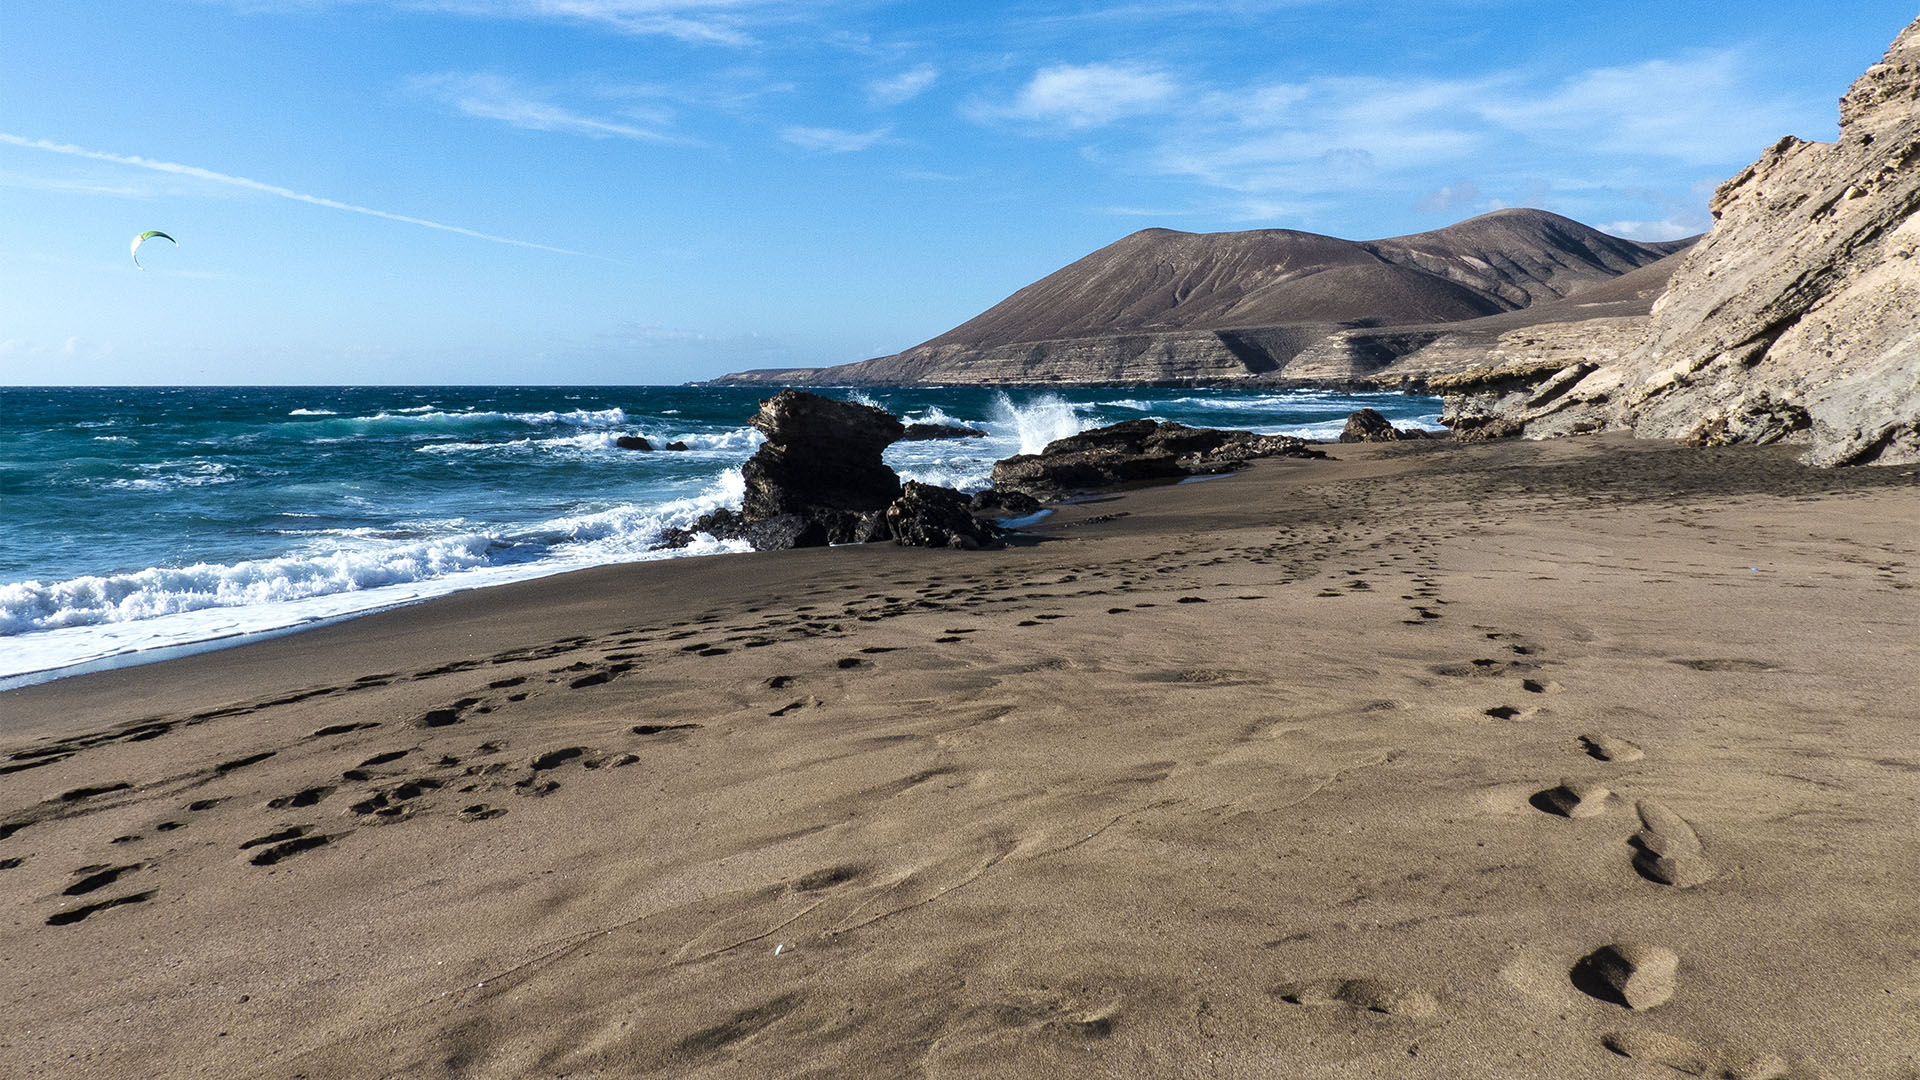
[933, 414]
[339, 572]
[737, 443]
[427, 415]
[171, 475]
[313, 412]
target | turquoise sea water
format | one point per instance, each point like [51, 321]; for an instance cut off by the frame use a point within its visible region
[139, 519]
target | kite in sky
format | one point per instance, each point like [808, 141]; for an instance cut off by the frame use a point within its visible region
[143, 238]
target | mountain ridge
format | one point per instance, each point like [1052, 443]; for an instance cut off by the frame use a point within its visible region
[1160, 304]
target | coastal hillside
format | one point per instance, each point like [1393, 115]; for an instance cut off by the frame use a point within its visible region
[1796, 320]
[1161, 305]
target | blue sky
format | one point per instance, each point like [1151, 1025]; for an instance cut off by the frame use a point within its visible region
[650, 191]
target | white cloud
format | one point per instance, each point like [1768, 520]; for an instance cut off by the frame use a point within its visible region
[493, 97]
[210, 176]
[1464, 194]
[1090, 95]
[1291, 141]
[1651, 232]
[832, 140]
[903, 87]
[1695, 109]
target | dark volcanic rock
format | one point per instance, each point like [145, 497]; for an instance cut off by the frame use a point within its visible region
[996, 503]
[1137, 451]
[819, 479]
[926, 432]
[675, 445]
[632, 442]
[929, 516]
[1368, 425]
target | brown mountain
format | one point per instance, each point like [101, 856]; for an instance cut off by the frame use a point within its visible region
[1161, 304]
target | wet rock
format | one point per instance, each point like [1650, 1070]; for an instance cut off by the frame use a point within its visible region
[926, 432]
[928, 516]
[632, 442]
[675, 445]
[1137, 451]
[996, 503]
[819, 479]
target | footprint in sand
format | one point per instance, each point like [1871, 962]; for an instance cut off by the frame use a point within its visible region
[1697, 1059]
[1366, 995]
[1611, 748]
[1667, 850]
[1573, 799]
[1634, 974]
[74, 915]
[93, 878]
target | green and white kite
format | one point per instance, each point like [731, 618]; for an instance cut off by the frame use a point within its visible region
[143, 238]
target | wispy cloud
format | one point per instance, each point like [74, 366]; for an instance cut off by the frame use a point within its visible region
[1079, 96]
[496, 97]
[699, 22]
[1650, 231]
[1288, 141]
[1458, 196]
[175, 169]
[832, 140]
[904, 87]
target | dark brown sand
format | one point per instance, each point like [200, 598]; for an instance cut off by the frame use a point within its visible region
[1377, 767]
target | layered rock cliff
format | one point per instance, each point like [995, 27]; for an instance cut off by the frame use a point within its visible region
[1796, 319]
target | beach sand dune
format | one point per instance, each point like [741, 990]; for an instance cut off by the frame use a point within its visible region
[1578, 759]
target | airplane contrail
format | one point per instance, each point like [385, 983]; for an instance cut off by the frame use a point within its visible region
[177, 169]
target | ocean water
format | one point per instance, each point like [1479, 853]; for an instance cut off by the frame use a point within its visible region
[137, 521]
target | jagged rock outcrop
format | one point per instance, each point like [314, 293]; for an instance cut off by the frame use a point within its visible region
[1171, 307]
[1137, 451]
[929, 516]
[1796, 319]
[819, 479]
[1367, 425]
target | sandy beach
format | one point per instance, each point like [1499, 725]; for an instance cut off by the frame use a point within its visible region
[1348, 768]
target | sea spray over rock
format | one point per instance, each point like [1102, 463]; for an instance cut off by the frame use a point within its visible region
[1038, 422]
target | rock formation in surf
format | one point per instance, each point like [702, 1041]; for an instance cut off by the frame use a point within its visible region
[819, 479]
[1137, 451]
[1797, 319]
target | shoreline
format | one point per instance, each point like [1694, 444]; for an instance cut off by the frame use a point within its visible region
[266, 561]
[1202, 779]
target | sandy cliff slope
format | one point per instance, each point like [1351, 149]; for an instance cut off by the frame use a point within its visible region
[1798, 317]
